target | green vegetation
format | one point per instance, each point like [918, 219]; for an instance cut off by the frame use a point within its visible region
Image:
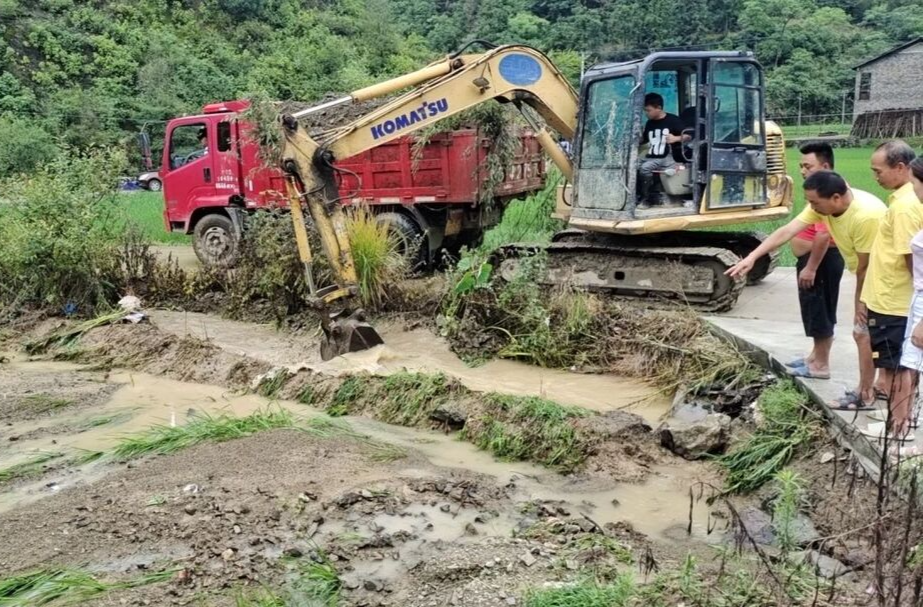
[789, 499]
[787, 424]
[43, 403]
[161, 440]
[312, 584]
[63, 587]
[379, 255]
[270, 385]
[619, 593]
[27, 468]
[530, 428]
[145, 210]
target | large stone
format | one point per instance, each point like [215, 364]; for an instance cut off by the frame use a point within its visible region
[451, 414]
[760, 527]
[825, 566]
[698, 438]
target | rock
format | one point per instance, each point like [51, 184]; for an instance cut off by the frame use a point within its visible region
[237, 529]
[350, 584]
[571, 564]
[191, 488]
[451, 415]
[527, 559]
[825, 566]
[445, 508]
[293, 552]
[470, 529]
[827, 457]
[696, 439]
[510, 600]
[760, 527]
[615, 502]
[373, 585]
[571, 529]
[189, 509]
[228, 554]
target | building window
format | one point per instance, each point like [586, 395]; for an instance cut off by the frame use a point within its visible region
[865, 86]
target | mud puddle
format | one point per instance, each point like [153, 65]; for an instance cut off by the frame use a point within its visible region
[420, 350]
[140, 401]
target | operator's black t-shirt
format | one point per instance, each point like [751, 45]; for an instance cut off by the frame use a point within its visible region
[655, 133]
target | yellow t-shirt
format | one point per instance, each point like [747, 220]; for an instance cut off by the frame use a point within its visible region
[855, 230]
[888, 285]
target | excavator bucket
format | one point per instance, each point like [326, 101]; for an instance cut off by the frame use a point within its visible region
[346, 334]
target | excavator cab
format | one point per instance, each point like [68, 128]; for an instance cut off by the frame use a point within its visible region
[718, 97]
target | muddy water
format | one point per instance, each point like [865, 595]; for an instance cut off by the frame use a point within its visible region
[420, 350]
[657, 507]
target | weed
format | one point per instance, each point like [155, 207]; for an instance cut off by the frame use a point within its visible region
[28, 467]
[270, 385]
[166, 439]
[787, 505]
[262, 597]
[410, 398]
[380, 255]
[619, 593]
[316, 583]
[65, 585]
[786, 425]
[307, 395]
[528, 220]
[43, 403]
[347, 395]
[157, 500]
[105, 420]
[517, 428]
[68, 336]
[87, 456]
[325, 427]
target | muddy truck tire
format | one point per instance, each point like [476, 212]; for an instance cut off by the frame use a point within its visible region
[215, 241]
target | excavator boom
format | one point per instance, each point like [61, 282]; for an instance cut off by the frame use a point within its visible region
[514, 74]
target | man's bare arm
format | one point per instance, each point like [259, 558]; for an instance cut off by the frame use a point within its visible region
[861, 269]
[772, 242]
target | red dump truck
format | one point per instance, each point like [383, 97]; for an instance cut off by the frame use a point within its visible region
[213, 177]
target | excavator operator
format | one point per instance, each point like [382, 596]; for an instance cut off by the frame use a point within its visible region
[663, 134]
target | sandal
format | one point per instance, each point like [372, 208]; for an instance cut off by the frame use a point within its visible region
[798, 362]
[881, 415]
[806, 373]
[851, 402]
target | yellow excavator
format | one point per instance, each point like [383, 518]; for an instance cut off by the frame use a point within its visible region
[733, 172]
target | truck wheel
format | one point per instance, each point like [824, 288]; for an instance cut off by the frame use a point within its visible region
[154, 185]
[215, 242]
[408, 237]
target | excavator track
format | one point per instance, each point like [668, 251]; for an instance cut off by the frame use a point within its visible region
[688, 275]
[740, 243]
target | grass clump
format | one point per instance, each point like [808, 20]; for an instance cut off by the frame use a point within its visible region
[63, 586]
[27, 468]
[520, 428]
[381, 255]
[273, 382]
[162, 440]
[43, 403]
[786, 425]
[618, 593]
[404, 398]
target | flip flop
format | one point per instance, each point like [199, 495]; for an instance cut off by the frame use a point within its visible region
[879, 395]
[798, 362]
[877, 430]
[806, 373]
[850, 402]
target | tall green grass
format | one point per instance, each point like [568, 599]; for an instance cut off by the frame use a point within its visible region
[145, 211]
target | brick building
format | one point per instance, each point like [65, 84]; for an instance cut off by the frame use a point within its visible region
[889, 93]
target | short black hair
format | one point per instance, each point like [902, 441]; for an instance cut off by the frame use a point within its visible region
[653, 100]
[821, 149]
[897, 152]
[826, 184]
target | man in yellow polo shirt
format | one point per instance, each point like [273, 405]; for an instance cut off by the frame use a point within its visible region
[852, 217]
[889, 287]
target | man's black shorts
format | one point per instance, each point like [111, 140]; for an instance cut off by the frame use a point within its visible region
[818, 304]
[887, 335]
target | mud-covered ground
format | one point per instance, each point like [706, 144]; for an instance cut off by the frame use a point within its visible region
[405, 516]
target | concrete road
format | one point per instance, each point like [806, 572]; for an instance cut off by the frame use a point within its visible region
[181, 253]
[767, 317]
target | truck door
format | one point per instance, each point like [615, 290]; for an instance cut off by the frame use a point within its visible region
[189, 168]
[606, 145]
[736, 129]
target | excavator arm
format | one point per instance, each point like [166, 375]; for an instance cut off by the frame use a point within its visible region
[513, 74]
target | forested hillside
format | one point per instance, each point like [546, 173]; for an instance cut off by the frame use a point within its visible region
[83, 74]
